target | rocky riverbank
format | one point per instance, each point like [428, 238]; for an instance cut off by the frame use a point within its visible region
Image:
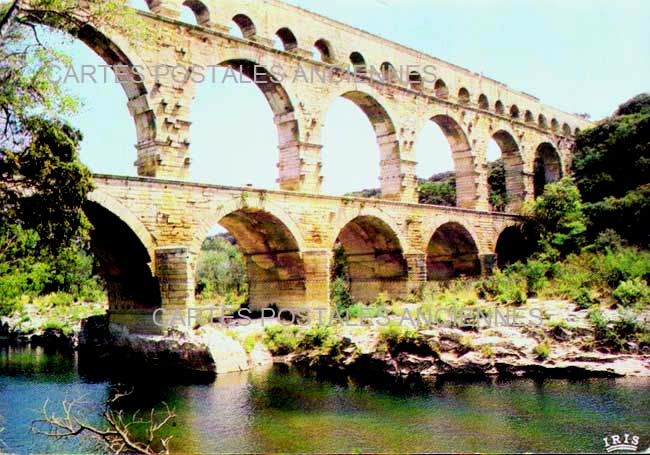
[449, 353]
[564, 344]
[48, 324]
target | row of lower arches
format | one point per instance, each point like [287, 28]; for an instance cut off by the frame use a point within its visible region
[276, 273]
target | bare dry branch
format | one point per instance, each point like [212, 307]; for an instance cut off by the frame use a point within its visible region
[117, 437]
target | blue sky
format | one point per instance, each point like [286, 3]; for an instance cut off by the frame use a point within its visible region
[577, 55]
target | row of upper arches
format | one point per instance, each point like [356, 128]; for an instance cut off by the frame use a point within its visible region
[286, 40]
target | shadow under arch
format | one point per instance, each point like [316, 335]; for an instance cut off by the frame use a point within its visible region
[125, 262]
[276, 271]
[375, 258]
[548, 167]
[452, 252]
[514, 167]
[512, 246]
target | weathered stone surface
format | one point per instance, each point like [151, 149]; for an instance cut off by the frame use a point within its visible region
[228, 354]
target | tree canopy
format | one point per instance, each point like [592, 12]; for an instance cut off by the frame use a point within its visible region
[612, 171]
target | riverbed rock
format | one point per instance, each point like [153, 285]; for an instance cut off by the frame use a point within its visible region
[228, 354]
[260, 356]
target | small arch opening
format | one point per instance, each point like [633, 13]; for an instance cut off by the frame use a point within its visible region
[529, 117]
[555, 125]
[389, 73]
[541, 121]
[498, 107]
[200, 12]
[358, 63]
[463, 96]
[483, 102]
[514, 111]
[324, 51]
[440, 89]
[287, 39]
[415, 81]
[245, 26]
[566, 130]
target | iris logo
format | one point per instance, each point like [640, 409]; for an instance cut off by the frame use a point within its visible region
[617, 443]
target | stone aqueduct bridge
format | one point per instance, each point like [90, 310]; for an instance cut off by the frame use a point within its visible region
[149, 229]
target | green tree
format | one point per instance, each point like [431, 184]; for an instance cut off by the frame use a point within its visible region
[221, 268]
[611, 167]
[556, 220]
[438, 193]
[498, 195]
[42, 182]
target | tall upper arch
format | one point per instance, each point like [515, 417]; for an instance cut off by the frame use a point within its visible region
[463, 158]
[514, 167]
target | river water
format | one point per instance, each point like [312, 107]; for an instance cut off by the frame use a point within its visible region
[283, 410]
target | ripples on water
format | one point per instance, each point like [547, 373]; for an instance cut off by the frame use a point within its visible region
[281, 410]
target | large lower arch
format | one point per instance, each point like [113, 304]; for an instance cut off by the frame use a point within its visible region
[124, 256]
[375, 258]
[514, 167]
[272, 249]
[452, 252]
[385, 132]
[548, 167]
[512, 246]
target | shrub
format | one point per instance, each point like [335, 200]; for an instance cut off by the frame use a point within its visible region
[504, 286]
[626, 264]
[316, 336]
[512, 297]
[382, 300]
[487, 351]
[608, 240]
[56, 324]
[535, 273]
[626, 325]
[60, 299]
[394, 334]
[281, 340]
[250, 342]
[466, 343]
[340, 293]
[600, 323]
[583, 298]
[542, 350]
[556, 219]
[632, 292]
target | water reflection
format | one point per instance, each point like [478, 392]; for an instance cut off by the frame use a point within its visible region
[282, 410]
